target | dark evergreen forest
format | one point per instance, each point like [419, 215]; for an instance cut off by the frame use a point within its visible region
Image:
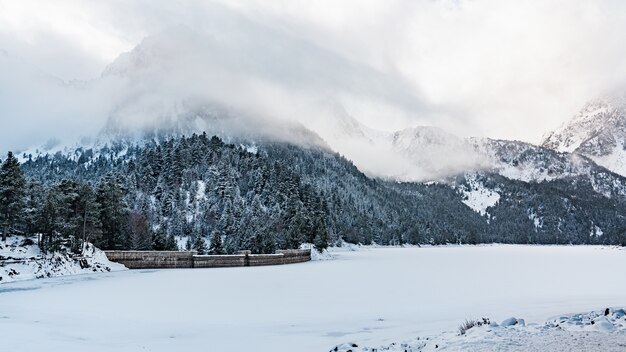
[223, 198]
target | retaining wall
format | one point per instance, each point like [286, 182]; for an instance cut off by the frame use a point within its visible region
[151, 259]
[292, 256]
[174, 259]
[218, 261]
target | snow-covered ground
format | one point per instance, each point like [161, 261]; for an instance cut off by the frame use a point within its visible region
[20, 260]
[477, 196]
[372, 297]
[602, 330]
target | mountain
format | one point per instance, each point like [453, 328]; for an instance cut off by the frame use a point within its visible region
[283, 168]
[261, 81]
[598, 131]
[426, 153]
[176, 185]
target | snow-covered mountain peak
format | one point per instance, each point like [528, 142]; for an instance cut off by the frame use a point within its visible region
[165, 50]
[428, 137]
[597, 131]
[594, 123]
[435, 151]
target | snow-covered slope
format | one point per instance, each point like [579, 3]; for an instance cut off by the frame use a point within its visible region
[526, 162]
[20, 259]
[597, 131]
[430, 153]
[477, 196]
[436, 151]
[602, 330]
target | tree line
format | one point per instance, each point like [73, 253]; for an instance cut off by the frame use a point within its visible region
[204, 194]
[191, 193]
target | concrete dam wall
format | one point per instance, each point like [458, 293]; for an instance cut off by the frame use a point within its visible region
[178, 260]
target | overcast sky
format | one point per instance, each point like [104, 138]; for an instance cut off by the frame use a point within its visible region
[505, 69]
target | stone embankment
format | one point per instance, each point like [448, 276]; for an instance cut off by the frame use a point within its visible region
[178, 260]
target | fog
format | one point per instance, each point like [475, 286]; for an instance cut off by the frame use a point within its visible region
[352, 71]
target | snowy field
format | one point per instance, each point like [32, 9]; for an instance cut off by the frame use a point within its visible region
[372, 297]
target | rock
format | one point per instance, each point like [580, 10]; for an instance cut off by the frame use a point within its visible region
[617, 314]
[509, 322]
[601, 324]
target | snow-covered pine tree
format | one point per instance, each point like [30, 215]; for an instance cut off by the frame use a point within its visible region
[113, 214]
[12, 184]
[199, 245]
[321, 235]
[216, 243]
[170, 243]
[140, 235]
[34, 205]
[70, 212]
[89, 208]
[49, 221]
[159, 240]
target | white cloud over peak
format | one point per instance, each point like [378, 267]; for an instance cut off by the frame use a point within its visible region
[506, 69]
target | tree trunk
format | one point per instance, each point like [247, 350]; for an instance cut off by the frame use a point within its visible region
[82, 245]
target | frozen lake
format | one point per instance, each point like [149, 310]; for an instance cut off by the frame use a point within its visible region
[371, 296]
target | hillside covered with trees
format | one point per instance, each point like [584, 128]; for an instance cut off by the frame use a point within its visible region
[200, 193]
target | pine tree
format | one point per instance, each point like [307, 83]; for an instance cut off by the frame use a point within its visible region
[12, 185]
[140, 236]
[71, 219]
[89, 209]
[216, 243]
[228, 226]
[170, 243]
[159, 240]
[49, 221]
[295, 229]
[199, 245]
[113, 214]
[321, 236]
[34, 204]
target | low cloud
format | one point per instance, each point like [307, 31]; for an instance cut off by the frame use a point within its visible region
[486, 68]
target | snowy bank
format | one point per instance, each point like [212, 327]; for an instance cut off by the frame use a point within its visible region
[20, 259]
[315, 254]
[597, 330]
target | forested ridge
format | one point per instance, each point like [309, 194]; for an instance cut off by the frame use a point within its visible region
[196, 187]
[221, 198]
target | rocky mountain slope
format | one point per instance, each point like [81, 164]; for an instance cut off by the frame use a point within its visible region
[598, 131]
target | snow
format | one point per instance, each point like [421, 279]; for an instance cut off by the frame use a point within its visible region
[537, 221]
[201, 193]
[597, 232]
[315, 254]
[614, 161]
[181, 242]
[477, 196]
[372, 297]
[596, 330]
[512, 321]
[250, 148]
[26, 262]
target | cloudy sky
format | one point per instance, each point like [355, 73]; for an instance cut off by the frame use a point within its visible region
[505, 69]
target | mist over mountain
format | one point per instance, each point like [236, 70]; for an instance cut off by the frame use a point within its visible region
[276, 101]
[239, 78]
